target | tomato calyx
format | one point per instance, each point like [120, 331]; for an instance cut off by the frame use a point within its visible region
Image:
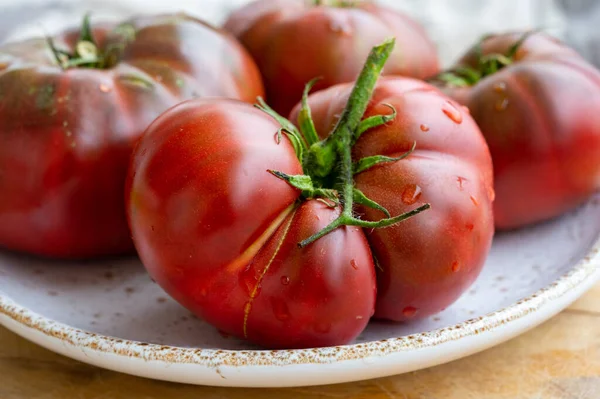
[487, 65]
[327, 164]
[87, 53]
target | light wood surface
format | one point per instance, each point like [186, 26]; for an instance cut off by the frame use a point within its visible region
[559, 360]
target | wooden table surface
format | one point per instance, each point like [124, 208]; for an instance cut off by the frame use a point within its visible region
[558, 360]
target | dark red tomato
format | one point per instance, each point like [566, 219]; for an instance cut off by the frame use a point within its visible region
[426, 262]
[229, 222]
[219, 233]
[539, 114]
[294, 41]
[69, 119]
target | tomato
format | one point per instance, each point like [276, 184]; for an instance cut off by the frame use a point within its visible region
[229, 221]
[69, 118]
[294, 41]
[536, 102]
[219, 233]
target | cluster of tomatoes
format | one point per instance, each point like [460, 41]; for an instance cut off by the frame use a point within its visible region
[293, 222]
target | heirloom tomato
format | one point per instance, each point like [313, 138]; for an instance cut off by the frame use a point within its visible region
[296, 236]
[536, 102]
[294, 41]
[71, 108]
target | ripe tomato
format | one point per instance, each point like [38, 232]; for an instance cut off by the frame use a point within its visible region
[71, 109]
[294, 41]
[274, 257]
[219, 233]
[536, 102]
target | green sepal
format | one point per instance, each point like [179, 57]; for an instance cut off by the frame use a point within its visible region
[61, 57]
[305, 121]
[286, 127]
[285, 124]
[451, 79]
[362, 199]
[86, 34]
[512, 52]
[345, 220]
[296, 141]
[375, 121]
[369, 162]
[461, 76]
[305, 184]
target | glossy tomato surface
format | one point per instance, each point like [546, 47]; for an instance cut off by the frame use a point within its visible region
[295, 41]
[428, 261]
[66, 134]
[540, 118]
[219, 232]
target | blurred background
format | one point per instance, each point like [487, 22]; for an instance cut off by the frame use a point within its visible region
[454, 25]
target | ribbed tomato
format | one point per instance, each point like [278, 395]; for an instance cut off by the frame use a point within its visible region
[295, 41]
[71, 109]
[536, 102]
[260, 236]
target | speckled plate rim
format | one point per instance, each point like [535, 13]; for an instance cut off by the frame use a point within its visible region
[286, 368]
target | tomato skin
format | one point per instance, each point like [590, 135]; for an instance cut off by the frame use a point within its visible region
[540, 119]
[67, 135]
[331, 292]
[428, 261]
[294, 42]
[219, 233]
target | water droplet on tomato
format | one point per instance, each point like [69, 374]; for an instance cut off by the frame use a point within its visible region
[285, 280]
[280, 309]
[409, 311]
[452, 112]
[104, 88]
[474, 201]
[500, 87]
[411, 194]
[455, 266]
[323, 327]
[502, 104]
[354, 264]
[461, 182]
[424, 128]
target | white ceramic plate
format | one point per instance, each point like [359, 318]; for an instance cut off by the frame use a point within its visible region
[112, 315]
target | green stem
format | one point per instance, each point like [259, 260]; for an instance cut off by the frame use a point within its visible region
[323, 156]
[343, 135]
[363, 91]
